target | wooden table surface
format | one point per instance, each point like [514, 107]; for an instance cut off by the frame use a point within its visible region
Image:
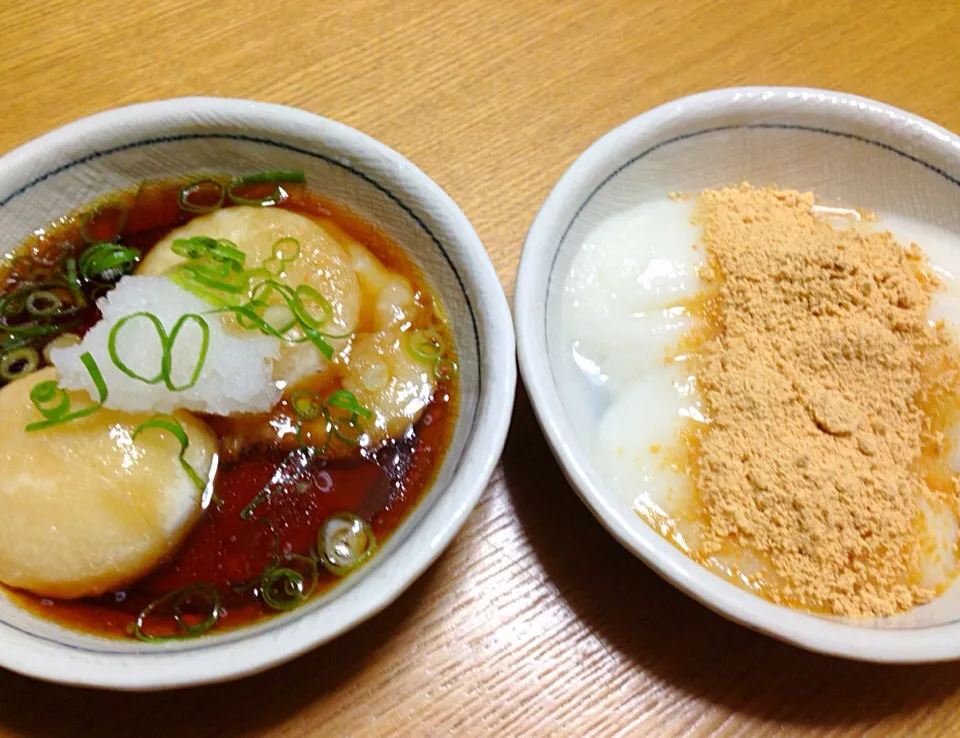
[534, 622]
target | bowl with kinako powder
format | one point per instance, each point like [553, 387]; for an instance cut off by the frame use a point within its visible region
[738, 320]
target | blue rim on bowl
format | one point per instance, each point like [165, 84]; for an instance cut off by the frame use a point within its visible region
[843, 147]
[117, 149]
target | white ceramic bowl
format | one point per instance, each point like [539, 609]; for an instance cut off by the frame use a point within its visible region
[74, 165]
[847, 150]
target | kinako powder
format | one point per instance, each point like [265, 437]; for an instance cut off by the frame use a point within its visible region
[828, 391]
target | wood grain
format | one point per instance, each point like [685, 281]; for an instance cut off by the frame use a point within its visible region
[535, 622]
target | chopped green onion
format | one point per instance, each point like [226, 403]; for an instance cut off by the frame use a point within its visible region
[198, 247]
[14, 304]
[203, 189]
[217, 298]
[50, 399]
[284, 588]
[18, 363]
[227, 251]
[286, 249]
[445, 368]
[347, 401]
[166, 343]
[43, 303]
[344, 542]
[275, 196]
[208, 597]
[215, 266]
[112, 345]
[306, 404]
[273, 266]
[256, 273]
[39, 299]
[173, 426]
[193, 248]
[107, 261]
[305, 292]
[209, 277]
[275, 175]
[300, 458]
[317, 339]
[73, 283]
[253, 320]
[425, 344]
[53, 402]
[90, 222]
[34, 329]
[167, 360]
[246, 313]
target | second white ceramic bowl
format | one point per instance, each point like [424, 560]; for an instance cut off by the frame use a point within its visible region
[846, 149]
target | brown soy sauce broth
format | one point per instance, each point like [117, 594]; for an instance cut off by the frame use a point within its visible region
[381, 485]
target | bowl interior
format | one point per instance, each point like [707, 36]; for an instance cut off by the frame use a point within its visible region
[75, 165]
[850, 152]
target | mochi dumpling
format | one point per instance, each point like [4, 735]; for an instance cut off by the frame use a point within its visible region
[318, 261]
[84, 507]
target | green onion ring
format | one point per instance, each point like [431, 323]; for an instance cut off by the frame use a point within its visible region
[115, 357]
[173, 426]
[273, 266]
[247, 316]
[272, 199]
[167, 360]
[347, 401]
[317, 339]
[183, 198]
[299, 308]
[274, 175]
[43, 296]
[256, 273]
[209, 277]
[12, 306]
[124, 214]
[73, 284]
[227, 250]
[198, 247]
[34, 329]
[308, 405]
[295, 587]
[167, 342]
[348, 430]
[216, 298]
[28, 357]
[284, 246]
[244, 312]
[425, 344]
[178, 599]
[192, 248]
[44, 394]
[445, 368]
[104, 257]
[26, 297]
[344, 542]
